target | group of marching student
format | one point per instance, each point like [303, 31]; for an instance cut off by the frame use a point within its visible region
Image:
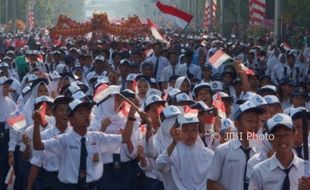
[107, 141]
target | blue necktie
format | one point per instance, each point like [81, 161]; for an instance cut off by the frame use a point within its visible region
[83, 158]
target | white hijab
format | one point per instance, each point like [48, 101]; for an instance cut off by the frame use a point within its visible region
[163, 139]
[7, 106]
[141, 99]
[29, 105]
[190, 165]
[179, 82]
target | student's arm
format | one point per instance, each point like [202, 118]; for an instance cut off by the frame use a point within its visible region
[216, 166]
[213, 185]
[34, 170]
[255, 180]
[243, 77]
[129, 128]
[27, 151]
[37, 142]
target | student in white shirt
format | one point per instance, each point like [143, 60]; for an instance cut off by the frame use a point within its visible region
[80, 151]
[284, 169]
[48, 163]
[187, 157]
[229, 164]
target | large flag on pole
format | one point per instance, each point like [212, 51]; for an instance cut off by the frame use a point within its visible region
[257, 11]
[181, 18]
[30, 14]
[209, 13]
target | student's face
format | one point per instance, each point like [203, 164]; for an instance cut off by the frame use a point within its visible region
[207, 74]
[129, 85]
[299, 101]
[6, 89]
[185, 87]
[227, 79]
[148, 71]
[42, 90]
[204, 95]
[299, 131]
[61, 114]
[287, 88]
[81, 117]
[142, 87]
[248, 122]
[190, 134]
[283, 139]
[274, 109]
[173, 59]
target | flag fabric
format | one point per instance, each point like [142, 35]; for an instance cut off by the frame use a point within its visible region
[218, 58]
[181, 18]
[149, 52]
[219, 104]
[155, 32]
[43, 113]
[10, 179]
[257, 11]
[209, 13]
[30, 14]
[104, 91]
[18, 122]
[188, 110]
[247, 70]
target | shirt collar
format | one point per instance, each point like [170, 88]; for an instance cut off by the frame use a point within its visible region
[77, 137]
[275, 163]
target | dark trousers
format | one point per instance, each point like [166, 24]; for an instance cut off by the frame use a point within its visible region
[51, 181]
[122, 178]
[88, 186]
[4, 153]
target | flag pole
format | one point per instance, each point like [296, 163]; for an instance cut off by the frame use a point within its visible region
[185, 28]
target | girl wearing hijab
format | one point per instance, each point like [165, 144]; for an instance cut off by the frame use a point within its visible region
[120, 167]
[39, 88]
[186, 157]
[7, 106]
[141, 90]
[276, 74]
[184, 85]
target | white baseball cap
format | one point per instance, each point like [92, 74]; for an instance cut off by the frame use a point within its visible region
[152, 100]
[296, 113]
[226, 124]
[258, 100]
[247, 107]
[183, 98]
[99, 58]
[279, 119]
[170, 111]
[41, 99]
[131, 77]
[272, 99]
[153, 91]
[245, 96]
[75, 104]
[4, 80]
[216, 86]
[188, 118]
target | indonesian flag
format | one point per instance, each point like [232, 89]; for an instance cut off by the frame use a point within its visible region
[219, 104]
[181, 18]
[10, 178]
[104, 91]
[285, 46]
[17, 122]
[188, 110]
[43, 113]
[247, 70]
[155, 33]
[219, 58]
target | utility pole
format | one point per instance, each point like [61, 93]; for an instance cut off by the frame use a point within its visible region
[6, 11]
[222, 17]
[277, 19]
[197, 15]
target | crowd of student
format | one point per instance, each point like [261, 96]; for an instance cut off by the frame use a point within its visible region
[135, 114]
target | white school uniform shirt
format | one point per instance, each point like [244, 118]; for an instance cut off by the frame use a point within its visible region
[48, 161]
[67, 147]
[189, 165]
[193, 69]
[269, 174]
[168, 72]
[228, 165]
[93, 74]
[162, 63]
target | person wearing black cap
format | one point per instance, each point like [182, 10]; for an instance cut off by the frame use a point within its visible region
[284, 169]
[80, 151]
[298, 99]
[171, 70]
[101, 68]
[48, 164]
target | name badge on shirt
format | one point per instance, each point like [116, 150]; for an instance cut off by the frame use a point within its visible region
[96, 157]
[73, 147]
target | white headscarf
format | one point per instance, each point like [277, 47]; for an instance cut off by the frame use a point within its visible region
[29, 105]
[7, 106]
[190, 165]
[179, 82]
[163, 139]
[141, 100]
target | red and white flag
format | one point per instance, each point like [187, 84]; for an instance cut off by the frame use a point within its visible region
[10, 178]
[181, 18]
[104, 91]
[219, 104]
[218, 58]
[18, 122]
[209, 13]
[30, 14]
[155, 32]
[257, 11]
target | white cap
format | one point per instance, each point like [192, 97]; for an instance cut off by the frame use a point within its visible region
[200, 105]
[26, 89]
[151, 100]
[245, 97]
[269, 87]
[171, 111]
[102, 80]
[173, 91]
[77, 103]
[104, 91]
[131, 77]
[32, 77]
[280, 119]
[153, 91]
[73, 88]
[188, 118]
[43, 99]
[4, 80]
[246, 106]
[272, 99]
[226, 124]
[4, 64]
[294, 112]
[203, 85]
[216, 86]
[258, 100]
[99, 58]
[54, 75]
[78, 95]
[183, 97]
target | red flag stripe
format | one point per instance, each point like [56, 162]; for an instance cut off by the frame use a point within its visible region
[174, 11]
